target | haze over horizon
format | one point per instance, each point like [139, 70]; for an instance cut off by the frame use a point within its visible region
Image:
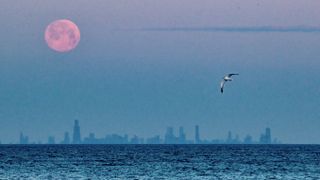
[140, 81]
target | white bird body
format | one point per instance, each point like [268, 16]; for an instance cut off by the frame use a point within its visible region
[225, 79]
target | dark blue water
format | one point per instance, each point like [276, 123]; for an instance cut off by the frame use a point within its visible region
[159, 161]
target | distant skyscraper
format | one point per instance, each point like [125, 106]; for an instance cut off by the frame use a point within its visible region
[268, 136]
[135, 140]
[182, 136]
[51, 140]
[229, 138]
[91, 139]
[23, 139]
[76, 133]
[247, 139]
[169, 137]
[66, 139]
[197, 135]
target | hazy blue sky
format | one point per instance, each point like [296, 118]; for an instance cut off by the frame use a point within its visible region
[123, 78]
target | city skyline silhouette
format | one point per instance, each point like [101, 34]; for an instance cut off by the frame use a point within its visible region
[170, 137]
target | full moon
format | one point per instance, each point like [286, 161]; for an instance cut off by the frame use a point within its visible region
[62, 35]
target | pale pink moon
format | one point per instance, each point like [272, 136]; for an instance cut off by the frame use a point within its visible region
[62, 35]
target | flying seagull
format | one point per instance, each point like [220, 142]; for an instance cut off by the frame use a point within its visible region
[225, 79]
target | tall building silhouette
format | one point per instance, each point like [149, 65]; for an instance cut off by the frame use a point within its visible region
[91, 139]
[51, 140]
[136, 140]
[197, 135]
[76, 133]
[248, 139]
[66, 139]
[23, 139]
[266, 137]
[229, 138]
[169, 137]
[182, 136]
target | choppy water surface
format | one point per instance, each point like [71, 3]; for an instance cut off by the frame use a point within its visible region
[159, 161]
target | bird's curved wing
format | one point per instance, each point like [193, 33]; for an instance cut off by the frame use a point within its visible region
[229, 75]
[222, 85]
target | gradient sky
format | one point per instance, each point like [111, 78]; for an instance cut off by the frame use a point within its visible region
[123, 78]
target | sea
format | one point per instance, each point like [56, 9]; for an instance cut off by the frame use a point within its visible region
[159, 162]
